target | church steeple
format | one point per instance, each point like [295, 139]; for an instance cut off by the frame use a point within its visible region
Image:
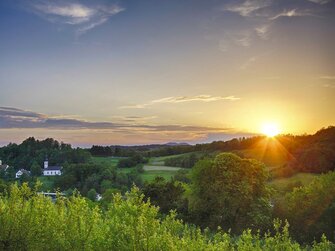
[46, 162]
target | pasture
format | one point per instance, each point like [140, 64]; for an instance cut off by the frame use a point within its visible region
[154, 168]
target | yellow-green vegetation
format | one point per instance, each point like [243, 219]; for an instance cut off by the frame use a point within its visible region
[310, 209]
[299, 179]
[30, 221]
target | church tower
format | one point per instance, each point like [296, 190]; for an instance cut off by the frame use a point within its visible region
[46, 163]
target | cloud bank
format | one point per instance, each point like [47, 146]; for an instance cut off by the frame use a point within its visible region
[13, 118]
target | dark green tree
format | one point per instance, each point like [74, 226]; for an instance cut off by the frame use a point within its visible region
[168, 195]
[35, 169]
[92, 194]
[230, 192]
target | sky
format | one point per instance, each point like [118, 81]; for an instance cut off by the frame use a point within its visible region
[140, 72]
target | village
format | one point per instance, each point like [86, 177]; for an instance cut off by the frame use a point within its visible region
[46, 171]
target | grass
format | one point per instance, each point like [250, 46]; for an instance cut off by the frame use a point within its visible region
[154, 168]
[149, 175]
[160, 168]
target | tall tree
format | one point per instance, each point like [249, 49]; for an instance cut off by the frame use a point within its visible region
[229, 192]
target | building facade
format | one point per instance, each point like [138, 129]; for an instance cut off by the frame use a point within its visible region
[51, 170]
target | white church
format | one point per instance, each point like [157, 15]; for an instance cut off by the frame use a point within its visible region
[51, 170]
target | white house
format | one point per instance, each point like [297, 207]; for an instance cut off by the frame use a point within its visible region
[51, 170]
[21, 172]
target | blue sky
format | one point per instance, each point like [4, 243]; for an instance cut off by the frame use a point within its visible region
[136, 72]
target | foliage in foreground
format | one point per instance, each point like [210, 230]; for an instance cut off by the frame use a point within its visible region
[30, 221]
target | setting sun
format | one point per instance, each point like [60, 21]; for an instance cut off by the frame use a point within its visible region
[270, 129]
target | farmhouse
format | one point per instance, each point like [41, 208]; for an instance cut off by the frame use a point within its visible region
[51, 170]
[21, 172]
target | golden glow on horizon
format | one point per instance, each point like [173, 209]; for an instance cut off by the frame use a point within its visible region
[270, 129]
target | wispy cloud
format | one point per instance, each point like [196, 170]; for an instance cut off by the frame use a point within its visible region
[134, 106]
[260, 16]
[248, 7]
[14, 112]
[320, 1]
[181, 99]
[263, 31]
[133, 119]
[203, 98]
[232, 39]
[83, 17]
[332, 86]
[292, 13]
[248, 63]
[74, 13]
[329, 81]
[242, 39]
[327, 77]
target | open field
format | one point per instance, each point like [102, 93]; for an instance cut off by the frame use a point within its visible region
[151, 172]
[154, 168]
[160, 168]
[167, 172]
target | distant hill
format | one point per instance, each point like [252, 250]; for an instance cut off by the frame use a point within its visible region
[176, 144]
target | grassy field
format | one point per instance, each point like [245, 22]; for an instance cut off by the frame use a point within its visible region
[160, 168]
[152, 171]
[154, 168]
